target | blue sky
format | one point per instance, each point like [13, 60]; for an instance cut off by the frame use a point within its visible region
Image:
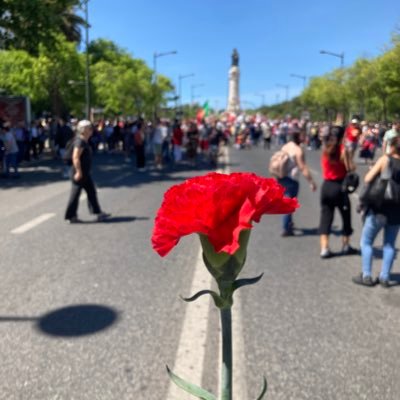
[274, 39]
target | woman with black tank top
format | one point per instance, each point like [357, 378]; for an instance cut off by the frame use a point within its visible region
[336, 162]
[386, 216]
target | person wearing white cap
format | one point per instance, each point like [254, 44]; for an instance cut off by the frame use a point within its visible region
[81, 177]
[351, 137]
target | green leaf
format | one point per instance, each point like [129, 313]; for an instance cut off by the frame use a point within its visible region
[244, 282]
[190, 387]
[219, 302]
[264, 390]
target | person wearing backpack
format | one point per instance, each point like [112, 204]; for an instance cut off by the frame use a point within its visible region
[386, 216]
[292, 160]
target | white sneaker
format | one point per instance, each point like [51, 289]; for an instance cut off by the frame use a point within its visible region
[325, 253]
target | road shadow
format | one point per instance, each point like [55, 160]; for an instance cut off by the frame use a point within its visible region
[48, 171]
[378, 253]
[77, 320]
[119, 219]
[72, 321]
[109, 170]
[113, 220]
[336, 254]
[314, 231]
[395, 279]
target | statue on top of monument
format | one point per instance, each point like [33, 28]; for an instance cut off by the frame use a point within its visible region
[235, 58]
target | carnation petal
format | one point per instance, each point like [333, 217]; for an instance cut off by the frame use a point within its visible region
[219, 206]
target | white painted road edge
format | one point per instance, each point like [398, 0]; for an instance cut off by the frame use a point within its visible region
[32, 224]
[189, 360]
[190, 357]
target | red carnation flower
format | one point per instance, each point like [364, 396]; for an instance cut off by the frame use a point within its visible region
[219, 206]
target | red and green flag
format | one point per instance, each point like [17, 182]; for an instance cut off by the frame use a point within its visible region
[203, 112]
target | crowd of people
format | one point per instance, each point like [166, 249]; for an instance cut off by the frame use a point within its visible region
[161, 142]
[166, 141]
[380, 196]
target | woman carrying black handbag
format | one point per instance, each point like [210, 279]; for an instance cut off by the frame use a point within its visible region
[381, 199]
[336, 165]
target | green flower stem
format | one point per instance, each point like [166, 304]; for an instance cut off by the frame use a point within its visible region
[226, 372]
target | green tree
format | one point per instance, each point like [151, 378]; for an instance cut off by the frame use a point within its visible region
[61, 71]
[359, 78]
[48, 79]
[122, 84]
[17, 77]
[382, 84]
[28, 24]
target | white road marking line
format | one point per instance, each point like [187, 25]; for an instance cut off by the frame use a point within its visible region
[239, 378]
[32, 224]
[239, 385]
[83, 196]
[189, 360]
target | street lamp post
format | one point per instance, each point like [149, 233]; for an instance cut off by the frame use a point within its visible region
[155, 56]
[338, 55]
[192, 88]
[85, 4]
[341, 56]
[303, 77]
[286, 87]
[180, 78]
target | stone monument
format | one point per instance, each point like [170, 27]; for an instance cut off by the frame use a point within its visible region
[234, 75]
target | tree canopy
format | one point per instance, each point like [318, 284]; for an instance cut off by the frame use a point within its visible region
[370, 88]
[29, 24]
[54, 79]
[40, 59]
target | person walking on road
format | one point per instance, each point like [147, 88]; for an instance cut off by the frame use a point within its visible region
[352, 135]
[389, 136]
[10, 150]
[290, 182]
[177, 141]
[81, 176]
[63, 135]
[385, 216]
[139, 142]
[159, 135]
[336, 162]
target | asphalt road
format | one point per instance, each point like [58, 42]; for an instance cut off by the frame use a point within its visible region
[89, 311]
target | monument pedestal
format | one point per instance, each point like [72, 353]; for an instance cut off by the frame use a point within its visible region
[233, 94]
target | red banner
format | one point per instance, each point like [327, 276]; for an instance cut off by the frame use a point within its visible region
[14, 109]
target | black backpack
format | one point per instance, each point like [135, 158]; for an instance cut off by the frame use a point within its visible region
[384, 190]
